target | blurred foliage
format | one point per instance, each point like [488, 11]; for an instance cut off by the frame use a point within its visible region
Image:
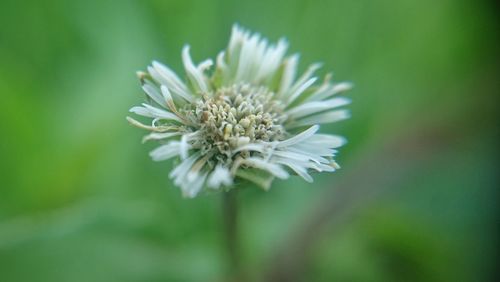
[81, 200]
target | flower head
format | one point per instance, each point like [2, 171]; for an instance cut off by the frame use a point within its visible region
[249, 117]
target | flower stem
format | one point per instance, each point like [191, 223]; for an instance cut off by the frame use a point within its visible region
[230, 210]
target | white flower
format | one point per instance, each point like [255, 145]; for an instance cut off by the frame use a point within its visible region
[250, 117]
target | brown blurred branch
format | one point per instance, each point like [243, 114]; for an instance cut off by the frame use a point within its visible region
[376, 169]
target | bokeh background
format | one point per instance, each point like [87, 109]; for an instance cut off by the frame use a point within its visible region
[416, 200]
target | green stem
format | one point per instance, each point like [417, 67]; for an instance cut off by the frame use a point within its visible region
[230, 210]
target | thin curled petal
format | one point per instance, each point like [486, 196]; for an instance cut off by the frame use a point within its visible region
[299, 137]
[219, 177]
[167, 77]
[165, 152]
[195, 75]
[327, 117]
[316, 107]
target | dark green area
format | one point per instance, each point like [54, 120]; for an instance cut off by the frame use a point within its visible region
[416, 200]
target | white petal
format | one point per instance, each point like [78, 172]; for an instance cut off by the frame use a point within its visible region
[247, 61]
[311, 150]
[251, 147]
[331, 90]
[191, 188]
[316, 107]
[197, 168]
[331, 141]
[325, 167]
[300, 170]
[320, 118]
[169, 101]
[304, 78]
[299, 137]
[195, 75]
[184, 146]
[305, 164]
[183, 168]
[165, 152]
[289, 72]
[152, 91]
[297, 92]
[222, 66]
[271, 60]
[250, 58]
[166, 94]
[237, 35]
[141, 111]
[299, 156]
[159, 136]
[167, 77]
[220, 176]
[205, 65]
[272, 168]
[153, 112]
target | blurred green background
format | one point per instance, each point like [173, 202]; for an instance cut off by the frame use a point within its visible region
[416, 200]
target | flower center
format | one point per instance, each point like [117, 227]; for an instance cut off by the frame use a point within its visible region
[237, 115]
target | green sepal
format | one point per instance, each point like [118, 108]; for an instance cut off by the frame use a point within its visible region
[260, 177]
